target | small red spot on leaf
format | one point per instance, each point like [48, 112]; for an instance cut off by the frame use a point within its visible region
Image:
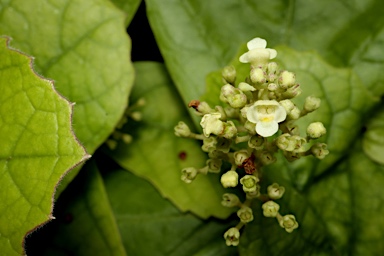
[182, 155]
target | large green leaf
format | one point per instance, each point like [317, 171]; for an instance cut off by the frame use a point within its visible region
[84, 225]
[37, 148]
[373, 142]
[83, 46]
[155, 150]
[151, 225]
[340, 214]
[129, 7]
[119, 212]
[198, 36]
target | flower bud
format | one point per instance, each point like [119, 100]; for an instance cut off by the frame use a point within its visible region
[211, 123]
[214, 165]
[182, 130]
[257, 75]
[292, 92]
[272, 68]
[223, 144]
[254, 194]
[316, 130]
[272, 87]
[294, 113]
[270, 209]
[311, 104]
[230, 200]
[230, 130]
[245, 214]
[288, 105]
[289, 142]
[229, 179]
[240, 156]
[319, 150]
[288, 222]
[249, 183]
[209, 144]
[250, 127]
[287, 79]
[188, 174]
[246, 87]
[229, 74]
[275, 191]
[256, 142]
[232, 237]
[201, 108]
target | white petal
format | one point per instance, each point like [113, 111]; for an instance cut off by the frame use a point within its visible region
[280, 114]
[272, 53]
[252, 115]
[267, 129]
[244, 58]
[256, 43]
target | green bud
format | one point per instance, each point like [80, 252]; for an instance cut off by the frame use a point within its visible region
[316, 130]
[250, 127]
[294, 113]
[311, 104]
[257, 76]
[209, 144]
[249, 183]
[245, 214]
[230, 200]
[287, 79]
[230, 130]
[292, 92]
[182, 130]
[272, 68]
[275, 191]
[319, 150]
[288, 222]
[223, 144]
[246, 87]
[232, 237]
[289, 142]
[214, 165]
[270, 209]
[188, 174]
[272, 87]
[229, 74]
[240, 156]
[254, 194]
[229, 179]
[256, 142]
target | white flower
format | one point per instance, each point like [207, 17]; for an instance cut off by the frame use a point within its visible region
[211, 123]
[266, 114]
[257, 53]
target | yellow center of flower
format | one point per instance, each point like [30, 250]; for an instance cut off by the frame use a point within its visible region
[266, 119]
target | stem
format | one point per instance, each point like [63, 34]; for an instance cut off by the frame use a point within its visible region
[197, 136]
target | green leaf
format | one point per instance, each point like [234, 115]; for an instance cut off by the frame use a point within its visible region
[119, 212]
[37, 147]
[196, 37]
[84, 225]
[151, 225]
[129, 7]
[158, 155]
[340, 214]
[83, 46]
[373, 140]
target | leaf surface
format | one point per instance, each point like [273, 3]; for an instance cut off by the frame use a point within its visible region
[83, 46]
[37, 147]
[197, 37]
[158, 155]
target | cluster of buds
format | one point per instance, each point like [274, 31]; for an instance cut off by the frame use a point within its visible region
[258, 121]
[131, 112]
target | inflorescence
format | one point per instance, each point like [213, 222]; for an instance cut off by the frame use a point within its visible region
[246, 134]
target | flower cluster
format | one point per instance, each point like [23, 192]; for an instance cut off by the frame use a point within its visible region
[258, 121]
